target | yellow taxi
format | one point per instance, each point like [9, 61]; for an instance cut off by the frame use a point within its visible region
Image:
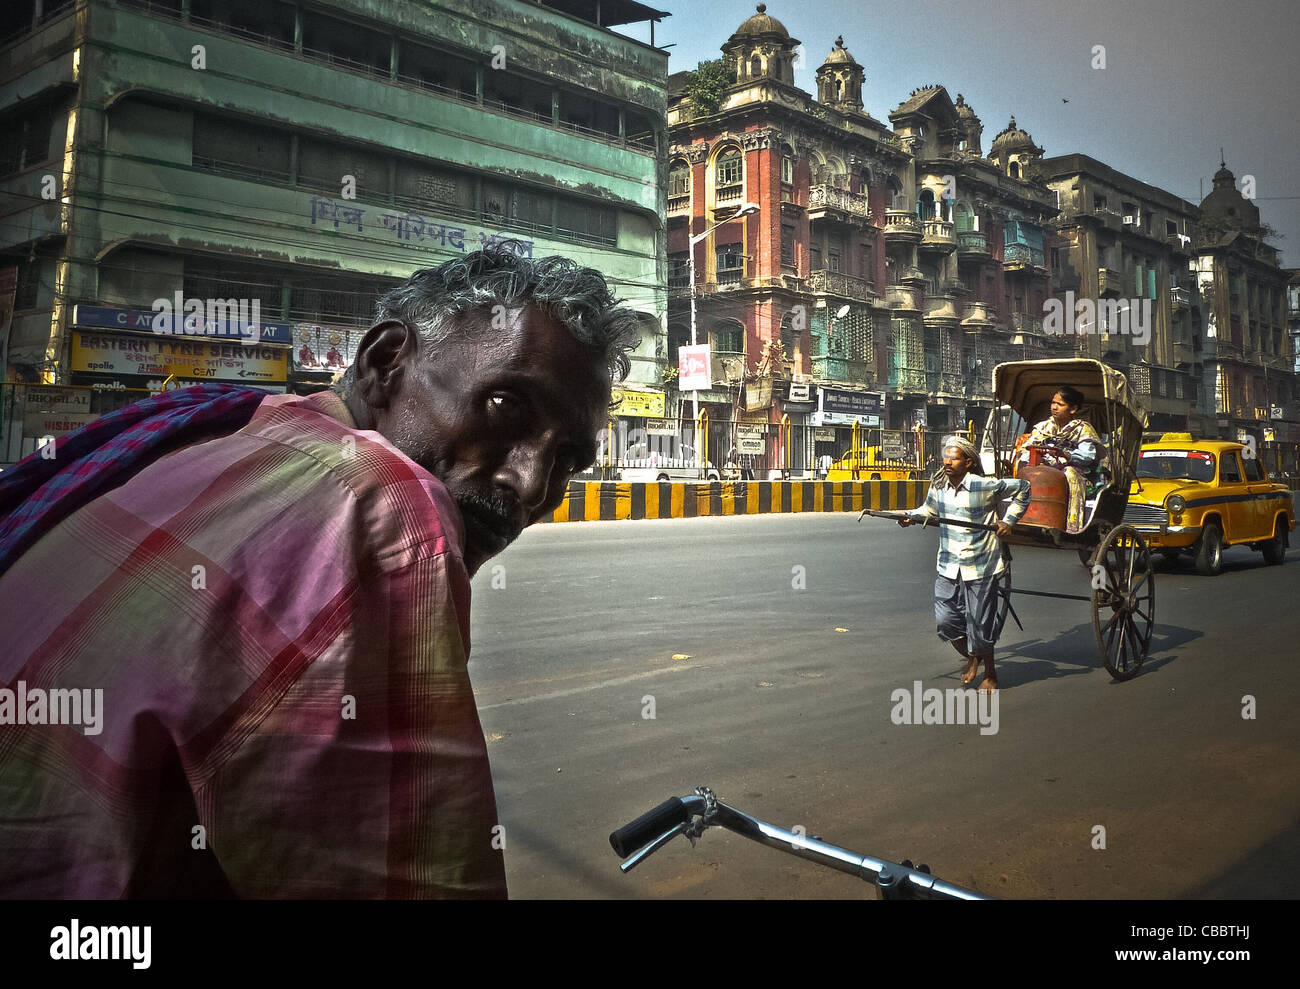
[867, 464]
[1201, 496]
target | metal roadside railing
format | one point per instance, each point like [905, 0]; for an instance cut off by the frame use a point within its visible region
[683, 450]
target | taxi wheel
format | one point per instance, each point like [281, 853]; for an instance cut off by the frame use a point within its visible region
[1275, 548]
[1209, 551]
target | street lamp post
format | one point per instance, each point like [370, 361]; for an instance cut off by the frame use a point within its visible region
[745, 210]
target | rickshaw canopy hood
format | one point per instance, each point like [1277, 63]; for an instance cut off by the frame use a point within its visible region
[1028, 387]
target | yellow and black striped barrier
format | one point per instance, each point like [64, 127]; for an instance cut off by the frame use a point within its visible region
[591, 501]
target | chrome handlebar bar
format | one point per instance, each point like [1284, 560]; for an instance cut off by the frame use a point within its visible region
[693, 814]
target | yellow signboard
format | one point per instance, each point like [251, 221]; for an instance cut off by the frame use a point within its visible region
[110, 353]
[639, 403]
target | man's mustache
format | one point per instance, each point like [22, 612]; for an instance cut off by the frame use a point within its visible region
[499, 510]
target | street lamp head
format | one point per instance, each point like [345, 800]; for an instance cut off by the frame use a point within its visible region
[842, 312]
[747, 208]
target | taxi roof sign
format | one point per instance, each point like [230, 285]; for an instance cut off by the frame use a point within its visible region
[1176, 438]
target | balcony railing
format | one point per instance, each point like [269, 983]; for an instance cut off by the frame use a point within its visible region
[902, 222]
[903, 297]
[727, 194]
[908, 379]
[823, 281]
[825, 198]
[679, 205]
[1018, 254]
[1109, 280]
[730, 276]
[938, 233]
[972, 242]
[1024, 323]
[978, 313]
[1180, 297]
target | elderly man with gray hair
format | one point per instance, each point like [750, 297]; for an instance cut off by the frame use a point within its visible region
[970, 560]
[273, 592]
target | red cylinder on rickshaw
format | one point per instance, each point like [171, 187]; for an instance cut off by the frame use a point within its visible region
[1049, 496]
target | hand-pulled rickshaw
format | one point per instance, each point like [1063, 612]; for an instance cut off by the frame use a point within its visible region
[1118, 560]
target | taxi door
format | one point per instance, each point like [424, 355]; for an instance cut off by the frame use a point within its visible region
[1258, 485]
[1239, 522]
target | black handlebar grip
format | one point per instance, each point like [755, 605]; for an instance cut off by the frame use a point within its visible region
[648, 827]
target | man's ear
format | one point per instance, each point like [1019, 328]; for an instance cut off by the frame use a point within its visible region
[381, 361]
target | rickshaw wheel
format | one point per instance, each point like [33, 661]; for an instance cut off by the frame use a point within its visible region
[1124, 609]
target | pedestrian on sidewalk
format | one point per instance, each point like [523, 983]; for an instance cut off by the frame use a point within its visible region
[970, 560]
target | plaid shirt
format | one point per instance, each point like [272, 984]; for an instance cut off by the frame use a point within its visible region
[279, 621]
[973, 553]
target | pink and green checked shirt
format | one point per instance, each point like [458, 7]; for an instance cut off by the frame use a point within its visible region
[279, 621]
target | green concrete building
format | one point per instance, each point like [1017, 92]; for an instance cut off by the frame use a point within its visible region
[304, 156]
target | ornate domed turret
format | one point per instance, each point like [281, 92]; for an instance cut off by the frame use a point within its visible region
[761, 23]
[970, 125]
[1014, 139]
[839, 80]
[761, 48]
[839, 53]
[1013, 149]
[1227, 205]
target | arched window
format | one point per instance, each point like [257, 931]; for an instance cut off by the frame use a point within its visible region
[965, 218]
[895, 192]
[925, 205]
[755, 67]
[1014, 170]
[839, 176]
[728, 337]
[679, 179]
[730, 169]
[787, 165]
[789, 336]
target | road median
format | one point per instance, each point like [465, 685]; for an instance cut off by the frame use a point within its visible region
[592, 501]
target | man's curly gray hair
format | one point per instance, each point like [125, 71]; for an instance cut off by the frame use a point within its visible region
[576, 296]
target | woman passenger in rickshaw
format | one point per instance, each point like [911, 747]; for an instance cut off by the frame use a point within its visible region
[1071, 444]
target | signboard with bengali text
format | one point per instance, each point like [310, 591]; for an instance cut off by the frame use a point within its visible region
[204, 360]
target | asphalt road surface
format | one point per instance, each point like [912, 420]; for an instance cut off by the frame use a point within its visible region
[780, 699]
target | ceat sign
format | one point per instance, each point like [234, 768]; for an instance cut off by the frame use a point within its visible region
[694, 372]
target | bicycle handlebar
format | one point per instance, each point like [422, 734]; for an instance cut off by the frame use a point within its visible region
[650, 825]
[692, 814]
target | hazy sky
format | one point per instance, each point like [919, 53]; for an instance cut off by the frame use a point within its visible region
[1182, 77]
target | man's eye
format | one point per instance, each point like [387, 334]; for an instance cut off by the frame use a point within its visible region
[502, 403]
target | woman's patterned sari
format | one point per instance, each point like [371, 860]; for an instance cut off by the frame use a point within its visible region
[1081, 444]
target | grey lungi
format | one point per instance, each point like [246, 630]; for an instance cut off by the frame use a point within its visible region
[969, 608]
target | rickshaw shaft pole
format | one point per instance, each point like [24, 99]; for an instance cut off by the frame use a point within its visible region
[926, 520]
[1050, 594]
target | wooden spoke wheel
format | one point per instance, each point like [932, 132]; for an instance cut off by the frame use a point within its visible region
[1124, 609]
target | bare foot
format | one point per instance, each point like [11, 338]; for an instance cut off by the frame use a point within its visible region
[972, 667]
[988, 684]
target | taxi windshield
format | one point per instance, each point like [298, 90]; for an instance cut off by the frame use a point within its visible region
[1182, 465]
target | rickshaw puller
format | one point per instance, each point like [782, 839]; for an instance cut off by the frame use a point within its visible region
[970, 560]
